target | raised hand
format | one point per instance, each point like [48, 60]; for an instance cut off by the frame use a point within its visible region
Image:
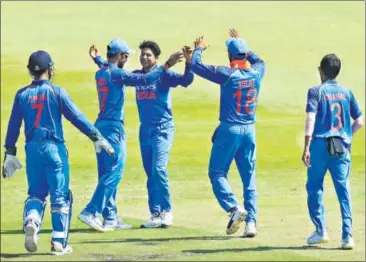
[187, 52]
[199, 42]
[173, 59]
[233, 33]
[93, 51]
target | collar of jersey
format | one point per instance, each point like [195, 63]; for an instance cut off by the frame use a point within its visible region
[43, 81]
[155, 66]
[330, 81]
[241, 64]
[111, 65]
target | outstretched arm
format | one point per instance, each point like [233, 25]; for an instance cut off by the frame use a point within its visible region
[75, 116]
[176, 79]
[124, 77]
[216, 74]
[95, 55]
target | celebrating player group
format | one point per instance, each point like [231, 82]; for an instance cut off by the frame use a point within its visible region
[333, 116]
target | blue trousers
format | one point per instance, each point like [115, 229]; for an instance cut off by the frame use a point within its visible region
[155, 144]
[110, 170]
[47, 169]
[339, 167]
[232, 141]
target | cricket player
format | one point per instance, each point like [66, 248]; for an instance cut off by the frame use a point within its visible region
[234, 138]
[157, 127]
[328, 136]
[111, 80]
[41, 105]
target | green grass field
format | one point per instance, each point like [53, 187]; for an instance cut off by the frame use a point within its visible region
[291, 38]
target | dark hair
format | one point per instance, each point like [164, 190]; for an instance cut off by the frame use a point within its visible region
[151, 45]
[111, 56]
[330, 65]
[38, 73]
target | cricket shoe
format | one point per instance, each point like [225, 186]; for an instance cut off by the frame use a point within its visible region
[236, 217]
[166, 219]
[250, 230]
[347, 243]
[117, 224]
[58, 249]
[31, 237]
[153, 222]
[91, 220]
[318, 238]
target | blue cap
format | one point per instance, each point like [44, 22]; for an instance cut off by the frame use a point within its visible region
[119, 46]
[236, 46]
[39, 61]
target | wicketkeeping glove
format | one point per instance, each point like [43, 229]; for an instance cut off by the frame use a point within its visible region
[101, 143]
[11, 163]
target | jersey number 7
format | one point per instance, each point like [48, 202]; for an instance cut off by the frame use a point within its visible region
[102, 100]
[39, 108]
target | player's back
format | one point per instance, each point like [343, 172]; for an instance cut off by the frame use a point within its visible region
[238, 101]
[335, 110]
[110, 95]
[40, 107]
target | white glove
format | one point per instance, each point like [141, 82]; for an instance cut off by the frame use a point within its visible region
[11, 164]
[103, 144]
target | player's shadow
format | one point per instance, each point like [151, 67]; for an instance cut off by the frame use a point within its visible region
[155, 240]
[47, 231]
[17, 255]
[259, 248]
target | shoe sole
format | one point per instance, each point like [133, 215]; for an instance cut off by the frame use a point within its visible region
[347, 247]
[249, 235]
[55, 253]
[143, 226]
[319, 242]
[165, 225]
[236, 225]
[107, 229]
[30, 243]
[92, 226]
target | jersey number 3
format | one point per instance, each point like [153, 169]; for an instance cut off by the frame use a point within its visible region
[251, 98]
[336, 112]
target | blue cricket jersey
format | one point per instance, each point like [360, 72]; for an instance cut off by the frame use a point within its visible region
[334, 106]
[154, 101]
[41, 105]
[111, 81]
[239, 87]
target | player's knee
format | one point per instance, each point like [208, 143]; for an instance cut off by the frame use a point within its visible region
[58, 199]
[111, 179]
[215, 173]
[62, 203]
[160, 171]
